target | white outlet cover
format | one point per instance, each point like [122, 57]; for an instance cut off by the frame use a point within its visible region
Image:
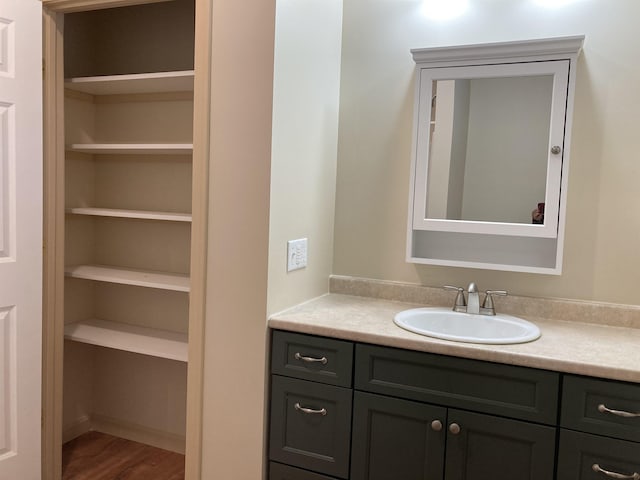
[296, 254]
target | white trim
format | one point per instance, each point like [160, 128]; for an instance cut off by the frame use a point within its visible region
[505, 267]
[127, 430]
[138, 433]
[481, 53]
[79, 426]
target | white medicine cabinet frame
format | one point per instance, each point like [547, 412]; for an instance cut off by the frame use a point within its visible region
[438, 232]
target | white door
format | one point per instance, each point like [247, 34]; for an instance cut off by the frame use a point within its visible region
[20, 238]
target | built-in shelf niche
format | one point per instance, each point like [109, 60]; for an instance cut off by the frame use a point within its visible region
[128, 173]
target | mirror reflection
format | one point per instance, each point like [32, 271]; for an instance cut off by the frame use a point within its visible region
[489, 147]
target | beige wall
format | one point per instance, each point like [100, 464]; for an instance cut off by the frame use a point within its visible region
[238, 235]
[304, 149]
[603, 227]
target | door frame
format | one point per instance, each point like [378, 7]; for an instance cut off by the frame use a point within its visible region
[53, 228]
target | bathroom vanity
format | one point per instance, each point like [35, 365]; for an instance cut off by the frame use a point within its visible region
[355, 397]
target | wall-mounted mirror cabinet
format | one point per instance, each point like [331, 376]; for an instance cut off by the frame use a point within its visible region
[492, 127]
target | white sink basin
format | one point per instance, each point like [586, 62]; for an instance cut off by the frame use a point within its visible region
[446, 324]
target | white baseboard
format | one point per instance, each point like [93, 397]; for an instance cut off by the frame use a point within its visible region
[138, 433]
[123, 429]
[76, 428]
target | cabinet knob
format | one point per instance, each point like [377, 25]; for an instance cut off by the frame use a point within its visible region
[454, 428]
[436, 425]
[556, 149]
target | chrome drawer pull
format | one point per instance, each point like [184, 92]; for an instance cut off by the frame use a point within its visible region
[310, 411]
[603, 409]
[596, 468]
[322, 360]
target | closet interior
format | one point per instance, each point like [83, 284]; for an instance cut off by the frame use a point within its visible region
[129, 75]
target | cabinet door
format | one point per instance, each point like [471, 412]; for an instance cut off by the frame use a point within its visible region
[583, 456]
[487, 447]
[310, 425]
[394, 439]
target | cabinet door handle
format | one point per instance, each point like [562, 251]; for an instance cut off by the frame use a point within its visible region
[436, 425]
[322, 360]
[310, 411]
[454, 428]
[602, 408]
[596, 468]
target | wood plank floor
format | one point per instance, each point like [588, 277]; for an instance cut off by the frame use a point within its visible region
[97, 456]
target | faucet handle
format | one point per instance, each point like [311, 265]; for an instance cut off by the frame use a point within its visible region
[488, 300]
[460, 304]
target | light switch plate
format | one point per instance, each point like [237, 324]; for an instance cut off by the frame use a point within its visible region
[296, 254]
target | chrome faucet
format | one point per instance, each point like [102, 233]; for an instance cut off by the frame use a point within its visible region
[473, 299]
[473, 305]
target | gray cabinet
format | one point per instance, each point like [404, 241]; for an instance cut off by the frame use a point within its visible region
[311, 405]
[397, 438]
[345, 410]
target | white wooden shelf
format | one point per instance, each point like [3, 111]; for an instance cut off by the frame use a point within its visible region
[138, 214]
[140, 278]
[132, 148]
[130, 338]
[157, 82]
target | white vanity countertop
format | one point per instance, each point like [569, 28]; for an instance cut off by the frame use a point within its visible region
[565, 346]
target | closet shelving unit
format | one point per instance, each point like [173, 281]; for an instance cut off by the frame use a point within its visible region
[128, 163]
[143, 340]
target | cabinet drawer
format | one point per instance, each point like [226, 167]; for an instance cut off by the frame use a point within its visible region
[312, 358]
[277, 471]
[581, 455]
[505, 390]
[310, 425]
[585, 402]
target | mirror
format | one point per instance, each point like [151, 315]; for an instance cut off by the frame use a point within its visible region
[486, 141]
[488, 149]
